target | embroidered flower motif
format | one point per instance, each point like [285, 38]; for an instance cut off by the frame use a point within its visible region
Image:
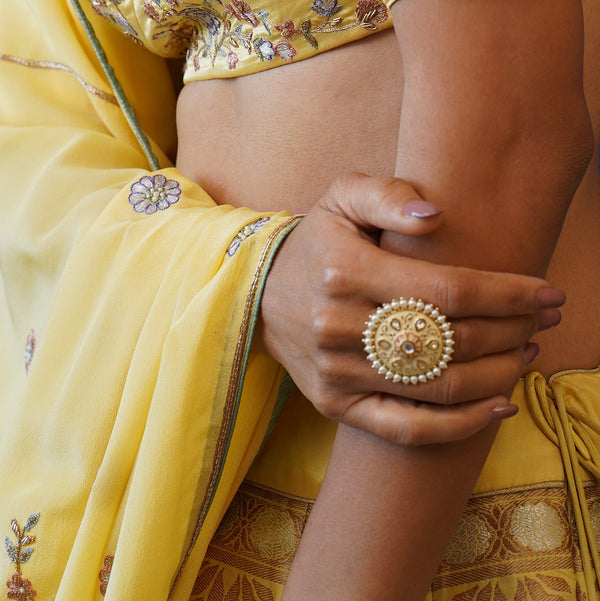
[157, 12]
[326, 8]
[104, 574]
[153, 193]
[29, 349]
[232, 60]
[250, 229]
[288, 30]
[285, 51]
[109, 10]
[369, 12]
[264, 49]
[19, 552]
[19, 589]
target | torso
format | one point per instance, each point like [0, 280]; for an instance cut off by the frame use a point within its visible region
[291, 130]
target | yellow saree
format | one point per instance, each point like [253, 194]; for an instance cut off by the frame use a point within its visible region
[131, 401]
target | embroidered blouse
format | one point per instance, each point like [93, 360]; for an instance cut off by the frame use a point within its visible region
[229, 38]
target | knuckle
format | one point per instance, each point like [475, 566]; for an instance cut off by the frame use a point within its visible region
[328, 370]
[324, 327]
[450, 294]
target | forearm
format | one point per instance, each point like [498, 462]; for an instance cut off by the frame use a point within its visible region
[494, 126]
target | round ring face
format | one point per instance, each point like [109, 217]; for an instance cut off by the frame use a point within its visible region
[409, 341]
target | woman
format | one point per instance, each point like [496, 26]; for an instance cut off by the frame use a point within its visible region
[480, 138]
[154, 295]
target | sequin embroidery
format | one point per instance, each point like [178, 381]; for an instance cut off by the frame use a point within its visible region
[104, 574]
[19, 552]
[152, 193]
[250, 229]
[29, 349]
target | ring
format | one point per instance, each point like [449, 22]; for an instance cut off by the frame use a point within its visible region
[409, 341]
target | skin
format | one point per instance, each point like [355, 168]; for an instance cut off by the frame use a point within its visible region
[514, 158]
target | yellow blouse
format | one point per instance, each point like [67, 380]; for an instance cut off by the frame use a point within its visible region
[223, 38]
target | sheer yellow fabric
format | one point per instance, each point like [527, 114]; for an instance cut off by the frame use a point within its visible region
[131, 401]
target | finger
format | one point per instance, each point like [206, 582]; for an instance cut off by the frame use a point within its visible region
[411, 424]
[352, 373]
[458, 291]
[382, 203]
[474, 337]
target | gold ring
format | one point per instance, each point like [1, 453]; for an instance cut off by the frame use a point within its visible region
[409, 341]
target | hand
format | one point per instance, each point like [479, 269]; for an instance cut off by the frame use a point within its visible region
[330, 275]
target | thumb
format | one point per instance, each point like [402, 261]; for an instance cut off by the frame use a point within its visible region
[385, 203]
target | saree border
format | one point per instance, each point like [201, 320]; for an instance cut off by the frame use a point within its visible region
[236, 381]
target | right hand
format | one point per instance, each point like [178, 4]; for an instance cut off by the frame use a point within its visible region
[330, 275]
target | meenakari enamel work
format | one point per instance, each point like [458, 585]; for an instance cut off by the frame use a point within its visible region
[408, 341]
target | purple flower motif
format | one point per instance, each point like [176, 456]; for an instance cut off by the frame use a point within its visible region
[152, 193]
[264, 49]
[326, 8]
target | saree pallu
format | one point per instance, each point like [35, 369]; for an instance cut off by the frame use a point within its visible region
[131, 399]
[530, 531]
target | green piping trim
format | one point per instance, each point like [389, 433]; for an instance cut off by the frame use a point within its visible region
[116, 86]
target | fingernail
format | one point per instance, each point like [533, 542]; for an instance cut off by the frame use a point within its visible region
[421, 209]
[532, 350]
[503, 412]
[550, 297]
[550, 318]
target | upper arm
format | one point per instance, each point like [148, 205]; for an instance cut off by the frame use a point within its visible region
[494, 126]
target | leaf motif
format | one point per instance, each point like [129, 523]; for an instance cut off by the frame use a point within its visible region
[310, 38]
[15, 528]
[25, 554]
[27, 540]
[10, 549]
[32, 520]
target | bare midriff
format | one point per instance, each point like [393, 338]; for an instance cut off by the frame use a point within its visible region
[276, 140]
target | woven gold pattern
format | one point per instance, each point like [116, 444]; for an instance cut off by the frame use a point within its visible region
[250, 555]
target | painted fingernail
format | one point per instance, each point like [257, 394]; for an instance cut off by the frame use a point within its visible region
[421, 209]
[550, 297]
[550, 318]
[504, 412]
[532, 350]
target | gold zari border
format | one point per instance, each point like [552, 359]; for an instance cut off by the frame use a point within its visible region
[511, 545]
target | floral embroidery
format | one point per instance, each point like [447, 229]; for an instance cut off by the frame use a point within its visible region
[29, 349]
[109, 9]
[218, 33]
[153, 193]
[104, 574]
[20, 589]
[19, 552]
[247, 231]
